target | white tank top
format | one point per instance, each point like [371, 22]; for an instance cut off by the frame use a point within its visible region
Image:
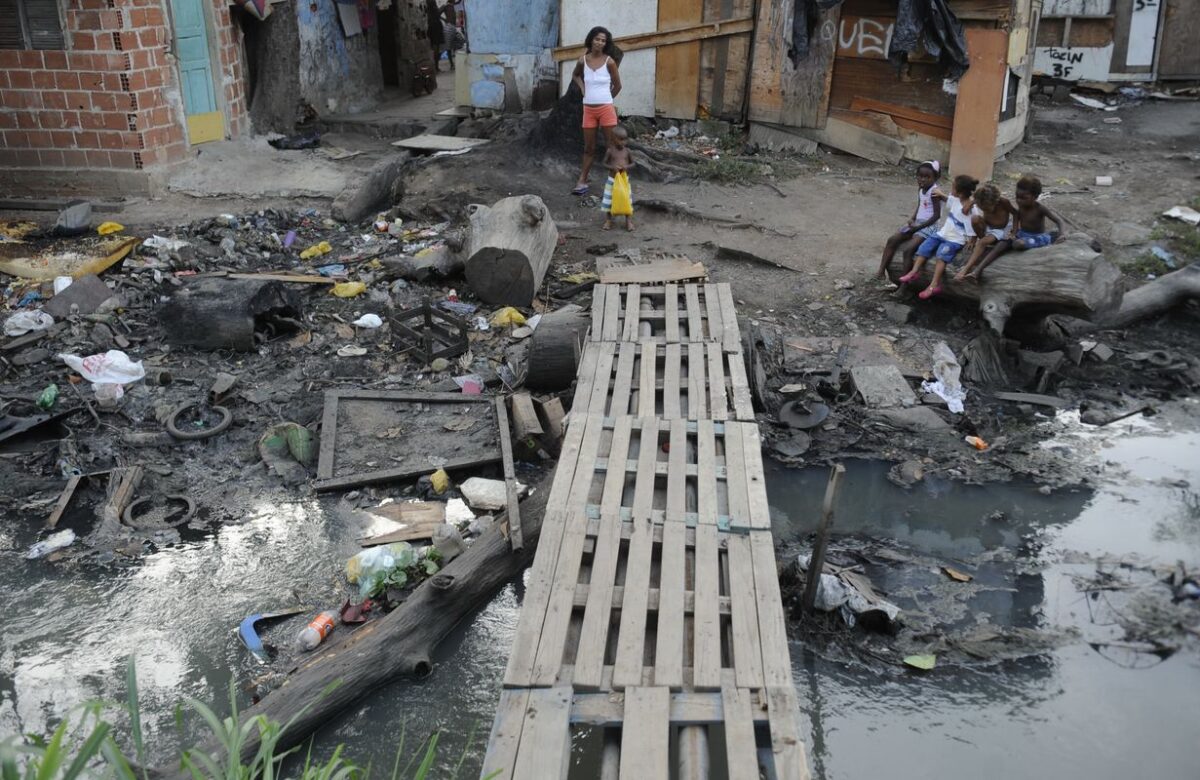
[597, 84]
[925, 202]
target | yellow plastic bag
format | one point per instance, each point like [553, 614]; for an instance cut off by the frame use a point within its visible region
[349, 289]
[316, 250]
[440, 481]
[622, 198]
[507, 316]
[108, 228]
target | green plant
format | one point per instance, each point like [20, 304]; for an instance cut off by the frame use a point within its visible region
[1145, 263]
[728, 170]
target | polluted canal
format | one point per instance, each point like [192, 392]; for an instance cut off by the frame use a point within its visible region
[1063, 641]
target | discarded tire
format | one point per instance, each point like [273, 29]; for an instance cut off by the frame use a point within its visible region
[204, 433]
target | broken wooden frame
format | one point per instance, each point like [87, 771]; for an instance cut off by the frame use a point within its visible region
[326, 480]
[437, 335]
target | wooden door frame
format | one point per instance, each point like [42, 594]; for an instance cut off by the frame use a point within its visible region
[212, 41]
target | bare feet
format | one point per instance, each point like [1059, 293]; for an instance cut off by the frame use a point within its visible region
[629, 224]
[607, 224]
[958, 277]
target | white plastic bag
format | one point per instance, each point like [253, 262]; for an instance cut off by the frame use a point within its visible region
[371, 567]
[27, 322]
[58, 541]
[946, 385]
[368, 321]
[108, 373]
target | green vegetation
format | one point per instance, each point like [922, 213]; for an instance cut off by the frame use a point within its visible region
[88, 748]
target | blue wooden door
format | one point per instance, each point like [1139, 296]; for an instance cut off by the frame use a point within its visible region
[205, 121]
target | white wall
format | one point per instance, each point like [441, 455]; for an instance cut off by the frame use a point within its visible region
[622, 17]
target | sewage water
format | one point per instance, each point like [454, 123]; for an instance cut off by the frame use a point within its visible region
[1071, 711]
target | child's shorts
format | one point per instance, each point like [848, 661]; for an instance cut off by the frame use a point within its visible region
[1034, 240]
[600, 116]
[929, 231]
[936, 246]
[1000, 234]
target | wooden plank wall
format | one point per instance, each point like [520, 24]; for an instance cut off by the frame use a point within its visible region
[973, 149]
[781, 93]
[725, 62]
[676, 77]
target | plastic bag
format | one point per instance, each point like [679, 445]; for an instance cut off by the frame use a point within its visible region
[368, 321]
[108, 373]
[622, 197]
[349, 289]
[370, 568]
[507, 316]
[947, 385]
[27, 322]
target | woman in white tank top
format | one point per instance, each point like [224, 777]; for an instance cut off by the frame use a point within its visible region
[597, 77]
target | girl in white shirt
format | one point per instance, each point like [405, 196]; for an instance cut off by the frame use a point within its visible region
[950, 239]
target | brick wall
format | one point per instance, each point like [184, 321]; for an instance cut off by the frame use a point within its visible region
[111, 101]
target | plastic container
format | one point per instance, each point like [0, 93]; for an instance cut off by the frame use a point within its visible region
[976, 442]
[316, 631]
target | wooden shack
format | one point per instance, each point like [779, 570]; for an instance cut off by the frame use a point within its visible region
[847, 95]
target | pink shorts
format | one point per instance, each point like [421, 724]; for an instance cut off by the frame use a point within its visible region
[599, 116]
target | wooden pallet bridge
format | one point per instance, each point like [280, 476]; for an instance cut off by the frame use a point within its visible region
[652, 619]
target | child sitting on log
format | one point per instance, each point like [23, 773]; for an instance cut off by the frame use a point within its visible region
[954, 233]
[993, 226]
[923, 223]
[1030, 229]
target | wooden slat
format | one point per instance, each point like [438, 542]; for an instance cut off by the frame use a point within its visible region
[506, 735]
[735, 477]
[742, 757]
[896, 110]
[623, 380]
[677, 472]
[712, 312]
[756, 482]
[612, 314]
[328, 429]
[599, 292]
[646, 735]
[545, 749]
[743, 404]
[786, 747]
[671, 382]
[669, 650]
[777, 666]
[566, 574]
[694, 319]
[973, 146]
[671, 313]
[677, 67]
[647, 388]
[631, 641]
[587, 378]
[633, 308]
[597, 617]
[706, 659]
[731, 338]
[697, 392]
[706, 470]
[743, 608]
[716, 382]
[604, 366]
[652, 40]
[512, 499]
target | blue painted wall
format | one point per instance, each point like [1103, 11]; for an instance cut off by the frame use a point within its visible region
[337, 74]
[512, 26]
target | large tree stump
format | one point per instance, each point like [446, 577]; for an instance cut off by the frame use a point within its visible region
[509, 246]
[218, 313]
[1069, 277]
[554, 350]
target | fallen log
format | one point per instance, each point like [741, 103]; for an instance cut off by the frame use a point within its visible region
[401, 643]
[554, 350]
[1149, 300]
[1068, 277]
[219, 313]
[508, 249]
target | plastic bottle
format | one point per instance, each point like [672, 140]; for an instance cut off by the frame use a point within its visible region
[316, 631]
[48, 397]
[976, 442]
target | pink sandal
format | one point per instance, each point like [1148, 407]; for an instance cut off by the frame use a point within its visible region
[908, 277]
[929, 292]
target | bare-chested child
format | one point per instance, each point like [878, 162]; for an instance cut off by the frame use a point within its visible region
[1030, 228]
[924, 222]
[617, 159]
[992, 225]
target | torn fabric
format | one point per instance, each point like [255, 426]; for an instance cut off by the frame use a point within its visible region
[931, 24]
[804, 16]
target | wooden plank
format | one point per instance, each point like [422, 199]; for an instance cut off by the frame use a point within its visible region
[677, 472]
[706, 472]
[921, 87]
[647, 388]
[669, 650]
[525, 417]
[646, 736]
[660, 38]
[780, 92]
[896, 110]
[1179, 57]
[586, 378]
[743, 404]
[786, 747]
[716, 382]
[623, 380]
[777, 666]
[756, 483]
[735, 478]
[671, 313]
[731, 338]
[695, 329]
[505, 738]
[64, 500]
[328, 436]
[677, 67]
[631, 640]
[697, 392]
[597, 617]
[512, 497]
[545, 749]
[290, 278]
[604, 365]
[599, 292]
[864, 143]
[633, 310]
[612, 314]
[431, 142]
[712, 313]
[657, 272]
[706, 628]
[973, 147]
[671, 383]
[739, 733]
[743, 608]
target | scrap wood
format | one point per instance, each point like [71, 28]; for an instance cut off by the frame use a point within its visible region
[295, 278]
[525, 418]
[48, 265]
[513, 522]
[655, 272]
[63, 501]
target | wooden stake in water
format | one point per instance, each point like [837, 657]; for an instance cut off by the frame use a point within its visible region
[817, 563]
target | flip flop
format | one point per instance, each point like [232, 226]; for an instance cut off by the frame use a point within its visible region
[908, 277]
[928, 293]
[582, 189]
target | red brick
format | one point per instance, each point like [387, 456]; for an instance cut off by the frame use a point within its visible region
[137, 81]
[156, 77]
[71, 120]
[98, 159]
[65, 79]
[151, 157]
[148, 39]
[55, 60]
[112, 141]
[62, 139]
[104, 101]
[83, 41]
[3, 79]
[31, 60]
[74, 158]
[104, 42]
[8, 158]
[79, 101]
[27, 120]
[8, 120]
[123, 160]
[43, 79]
[129, 40]
[80, 60]
[50, 120]
[175, 152]
[40, 139]
[51, 158]
[21, 99]
[28, 158]
[87, 140]
[9, 59]
[20, 79]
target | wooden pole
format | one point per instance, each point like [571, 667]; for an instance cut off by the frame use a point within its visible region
[817, 563]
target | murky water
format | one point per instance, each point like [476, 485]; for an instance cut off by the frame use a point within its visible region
[65, 632]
